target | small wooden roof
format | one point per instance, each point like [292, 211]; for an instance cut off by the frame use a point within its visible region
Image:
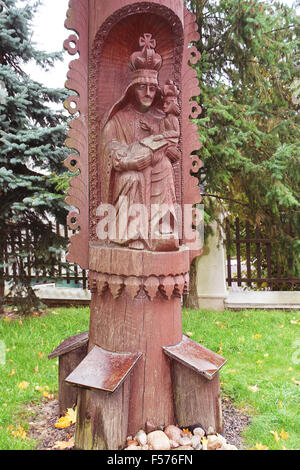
[70, 344]
[196, 357]
[103, 370]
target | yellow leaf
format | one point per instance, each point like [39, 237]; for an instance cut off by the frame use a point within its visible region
[189, 333]
[67, 420]
[186, 431]
[23, 385]
[12, 372]
[64, 445]
[260, 446]
[253, 388]
[257, 336]
[259, 362]
[284, 435]
[232, 371]
[41, 355]
[296, 382]
[7, 319]
[19, 433]
[275, 434]
[20, 323]
[204, 442]
[280, 404]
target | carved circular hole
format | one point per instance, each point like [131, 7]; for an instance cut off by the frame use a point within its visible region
[73, 163]
[73, 220]
[73, 105]
[72, 45]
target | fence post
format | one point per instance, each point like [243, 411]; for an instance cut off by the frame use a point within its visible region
[208, 288]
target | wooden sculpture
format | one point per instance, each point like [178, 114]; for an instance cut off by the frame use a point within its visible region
[133, 141]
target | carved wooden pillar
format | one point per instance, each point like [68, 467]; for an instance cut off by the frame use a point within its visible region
[133, 142]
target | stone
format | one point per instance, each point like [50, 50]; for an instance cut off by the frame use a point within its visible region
[215, 442]
[185, 448]
[185, 441]
[151, 426]
[141, 437]
[158, 440]
[173, 444]
[196, 440]
[227, 447]
[211, 431]
[174, 433]
[198, 447]
[199, 432]
[132, 442]
[145, 447]
[133, 448]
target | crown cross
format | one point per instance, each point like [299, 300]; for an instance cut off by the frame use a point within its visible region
[146, 42]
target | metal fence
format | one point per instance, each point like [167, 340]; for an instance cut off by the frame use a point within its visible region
[32, 267]
[251, 260]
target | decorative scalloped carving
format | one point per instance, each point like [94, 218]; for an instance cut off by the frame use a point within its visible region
[135, 286]
[77, 20]
[191, 109]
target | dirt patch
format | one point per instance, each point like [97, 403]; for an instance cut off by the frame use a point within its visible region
[42, 426]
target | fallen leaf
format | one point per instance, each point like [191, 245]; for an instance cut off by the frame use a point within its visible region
[275, 434]
[64, 445]
[204, 443]
[284, 435]
[23, 385]
[280, 404]
[257, 336]
[12, 372]
[232, 371]
[19, 433]
[253, 388]
[67, 420]
[260, 446]
[20, 323]
[7, 319]
[41, 355]
[36, 369]
[186, 431]
[189, 333]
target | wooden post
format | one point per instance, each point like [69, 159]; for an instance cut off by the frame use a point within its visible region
[133, 139]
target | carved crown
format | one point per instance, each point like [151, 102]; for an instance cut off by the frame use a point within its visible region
[147, 58]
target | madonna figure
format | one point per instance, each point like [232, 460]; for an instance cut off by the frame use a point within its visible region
[136, 156]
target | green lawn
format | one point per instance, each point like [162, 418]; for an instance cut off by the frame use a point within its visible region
[261, 376]
[262, 352]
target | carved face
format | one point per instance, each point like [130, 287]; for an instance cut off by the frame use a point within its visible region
[170, 106]
[145, 94]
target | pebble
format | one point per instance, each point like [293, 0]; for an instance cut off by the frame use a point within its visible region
[174, 438]
[210, 431]
[141, 437]
[184, 448]
[196, 440]
[132, 442]
[199, 432]
[185, 441]
[158, 440]
[150, 427]
[174, 433]
[215, 441]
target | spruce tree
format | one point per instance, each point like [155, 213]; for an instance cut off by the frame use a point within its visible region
[250, 128]
[32, 135]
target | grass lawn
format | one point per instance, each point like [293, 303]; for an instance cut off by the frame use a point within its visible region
[261, 376]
